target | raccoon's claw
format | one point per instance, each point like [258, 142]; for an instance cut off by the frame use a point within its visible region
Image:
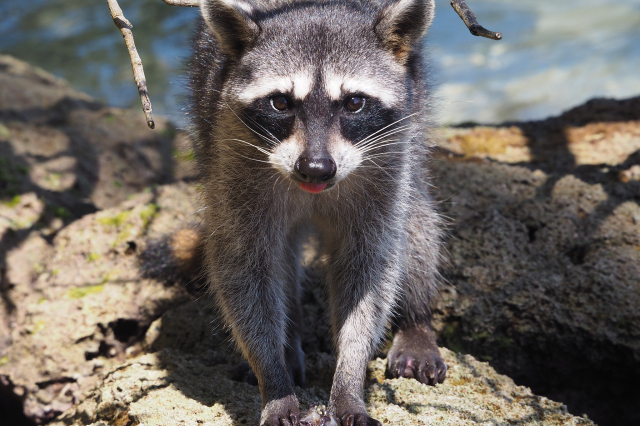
[427, 371]
[414, 354]
[289, 419]
[359, 419]
[282, 412]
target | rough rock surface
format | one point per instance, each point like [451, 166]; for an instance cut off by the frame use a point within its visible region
[81, 313]
[544, 274]
[70, 290]
[543, 280]
[189, 383]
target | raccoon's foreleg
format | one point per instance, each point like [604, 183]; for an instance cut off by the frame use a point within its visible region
[363, 276]
[414, 353]
[250, 291]
[294, 355]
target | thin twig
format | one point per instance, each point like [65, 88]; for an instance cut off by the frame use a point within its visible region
[470, 21]
[136, 63]
[184, 3]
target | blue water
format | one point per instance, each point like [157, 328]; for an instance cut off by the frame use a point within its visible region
[554, 54]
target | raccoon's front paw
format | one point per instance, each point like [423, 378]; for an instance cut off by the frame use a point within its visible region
[415, 354]
[281, 412]
[358, 419]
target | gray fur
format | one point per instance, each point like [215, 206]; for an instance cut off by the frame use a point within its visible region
[380, 231]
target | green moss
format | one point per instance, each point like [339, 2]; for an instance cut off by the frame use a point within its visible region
[42, 300]
[117, 184]
[80, 292]
[148, 213]
[123, 235]
[93, 256]
[4, 132]
[504, 342]
[54, 179]
[451, 337]
[480, 336]
[61, 212]
[55, 272]
[117, 220]
[187, 156]
[38, 326]
[109, 118]
[111, 275]
[150, 189]
[12, 202]
[4, 360]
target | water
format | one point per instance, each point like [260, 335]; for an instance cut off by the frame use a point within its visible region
[554, 54]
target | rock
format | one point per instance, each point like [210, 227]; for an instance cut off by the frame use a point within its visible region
[544, 274]
[70, 293]
[98, 327]
[89, 303]
[76, 154]
[187, 381]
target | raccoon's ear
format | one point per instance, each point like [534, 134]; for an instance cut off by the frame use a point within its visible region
[403, 23]
[232, 22]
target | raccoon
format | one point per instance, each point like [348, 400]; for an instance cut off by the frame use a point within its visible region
[313, 117]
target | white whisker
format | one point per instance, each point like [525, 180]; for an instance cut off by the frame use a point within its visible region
[386, 127]
[264, 151]
[383, 144]
[263, 137]
[382, 136]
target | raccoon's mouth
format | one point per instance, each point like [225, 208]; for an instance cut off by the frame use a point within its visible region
[313, 188]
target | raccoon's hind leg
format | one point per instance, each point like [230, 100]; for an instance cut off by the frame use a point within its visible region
[414, 353]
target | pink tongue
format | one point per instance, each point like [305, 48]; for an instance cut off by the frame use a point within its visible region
[314, 188]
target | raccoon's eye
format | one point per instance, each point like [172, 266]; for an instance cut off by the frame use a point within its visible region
[354, 103]
[279, 103]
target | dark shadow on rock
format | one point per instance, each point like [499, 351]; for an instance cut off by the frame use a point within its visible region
[194, 333]
[11, 411]
[549, 142]
[523, 248]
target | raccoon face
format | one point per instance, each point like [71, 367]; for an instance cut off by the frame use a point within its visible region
[325, 88]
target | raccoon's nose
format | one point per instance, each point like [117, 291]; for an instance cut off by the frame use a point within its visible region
[315, 170]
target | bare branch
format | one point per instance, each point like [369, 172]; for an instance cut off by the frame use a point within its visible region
[470, 21]
[184, 3]
[136, 63]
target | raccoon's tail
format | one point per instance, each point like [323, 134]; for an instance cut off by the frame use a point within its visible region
[176, 258]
